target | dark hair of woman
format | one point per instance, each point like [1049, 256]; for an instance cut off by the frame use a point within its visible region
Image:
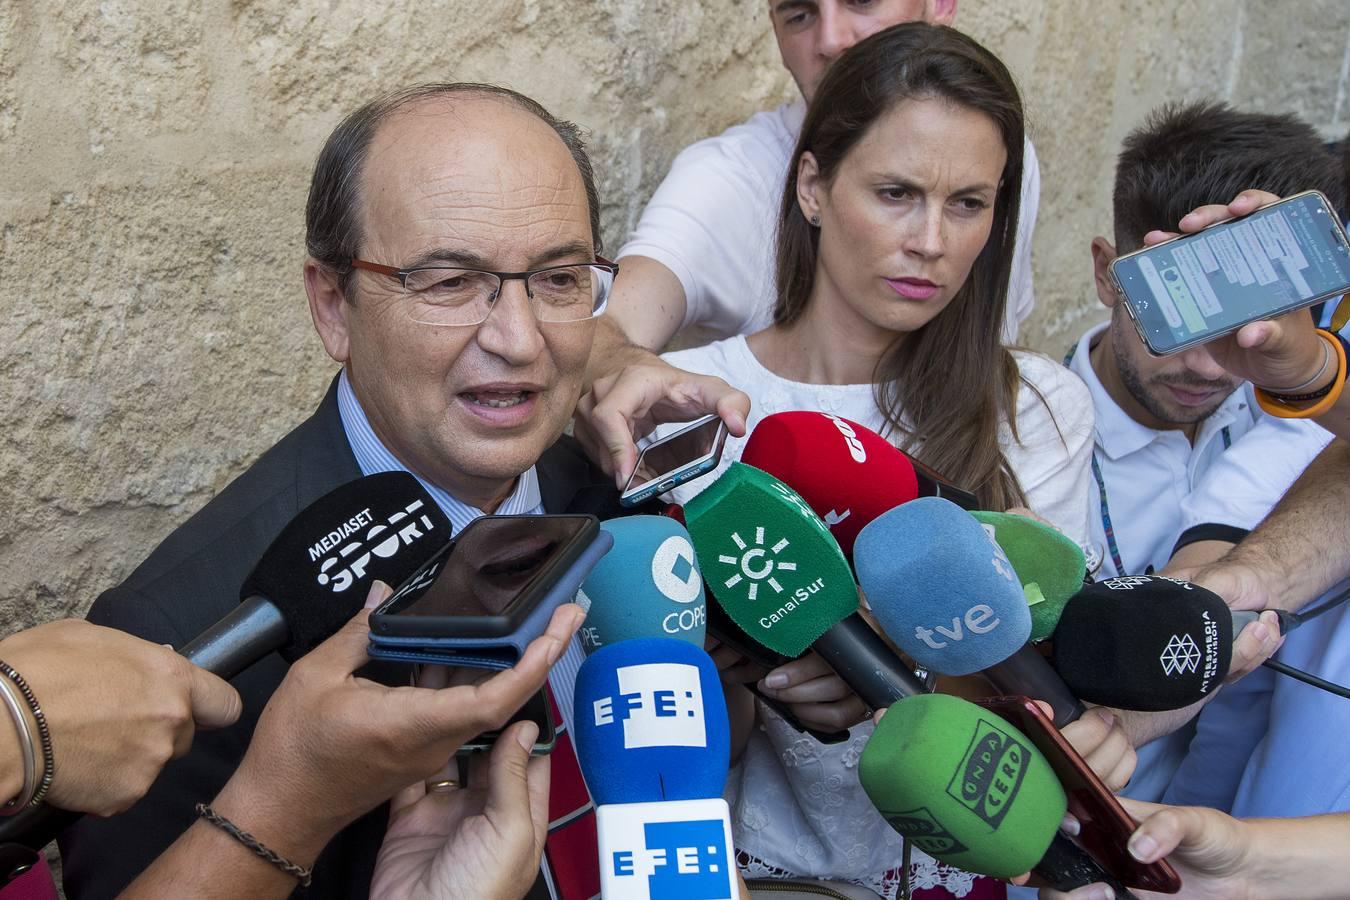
[945, 388]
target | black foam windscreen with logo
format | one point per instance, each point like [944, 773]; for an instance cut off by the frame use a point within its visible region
[1144, 642]
[319, 569]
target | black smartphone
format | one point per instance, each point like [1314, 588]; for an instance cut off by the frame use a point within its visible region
[487, 581]
[535, 710]
[672, 460]
[1105, 825]
[1199, 286]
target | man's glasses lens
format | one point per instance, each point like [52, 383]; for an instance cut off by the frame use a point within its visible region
[443, 296]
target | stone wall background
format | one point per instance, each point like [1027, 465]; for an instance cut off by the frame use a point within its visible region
[154, 160]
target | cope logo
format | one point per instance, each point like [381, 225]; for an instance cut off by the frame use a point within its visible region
[678, 860]
[990, 773]
[381, 541]
[659, 704]
[756, 565]
[927, 833]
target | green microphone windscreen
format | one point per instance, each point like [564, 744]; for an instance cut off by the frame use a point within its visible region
[769, 560]
[1048, 563]
[962, 784]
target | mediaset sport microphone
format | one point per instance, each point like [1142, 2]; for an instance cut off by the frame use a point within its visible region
[772, 564]
[1147, 642]
[946, 593]
[962, 784]
[653, 743]
[1050, 566]
[310, 581]
[648, 585]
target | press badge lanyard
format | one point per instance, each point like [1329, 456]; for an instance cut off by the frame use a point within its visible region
[1111, 546]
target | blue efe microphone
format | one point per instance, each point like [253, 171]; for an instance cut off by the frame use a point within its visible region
[648, 585]
[653, 742]
[944, 591]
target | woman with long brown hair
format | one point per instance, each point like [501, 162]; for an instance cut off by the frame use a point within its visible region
[895, 240]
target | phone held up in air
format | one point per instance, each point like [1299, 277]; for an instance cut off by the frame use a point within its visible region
[670, 461]
[1197, 287]
[1104, 825]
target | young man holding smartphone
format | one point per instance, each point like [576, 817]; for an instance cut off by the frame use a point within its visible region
[1185, 460]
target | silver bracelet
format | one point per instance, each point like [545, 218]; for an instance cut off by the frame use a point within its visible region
[18, 713]
[1327, 355]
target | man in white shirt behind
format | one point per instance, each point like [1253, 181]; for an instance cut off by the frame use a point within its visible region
[701, 255]
[1185, 462]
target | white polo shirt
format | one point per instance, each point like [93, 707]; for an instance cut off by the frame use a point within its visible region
[712, 222]
[1154, 488]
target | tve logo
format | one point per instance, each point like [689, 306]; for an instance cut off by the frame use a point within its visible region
[683, 857]
[659, 704]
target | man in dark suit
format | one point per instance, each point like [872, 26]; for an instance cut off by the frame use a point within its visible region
[452, 233]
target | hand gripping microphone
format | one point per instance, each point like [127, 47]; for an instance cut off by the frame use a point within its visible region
[947, 595]
[1147, 642]
[653, 743]
[305, 587]
[771, 563]
[1049, 565]
[964, 785]
[648, 585]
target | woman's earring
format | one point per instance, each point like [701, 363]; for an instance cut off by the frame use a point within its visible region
[815, 221]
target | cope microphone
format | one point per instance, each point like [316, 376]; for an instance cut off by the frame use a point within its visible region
[948, 596]
[648, 585]
[1147, 642]
[653, 743]
[1050, 566]
[773, 566]
[305, 587]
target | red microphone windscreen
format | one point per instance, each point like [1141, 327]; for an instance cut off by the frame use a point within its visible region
[848, 473]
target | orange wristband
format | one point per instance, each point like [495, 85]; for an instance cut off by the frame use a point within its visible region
[1280, 409]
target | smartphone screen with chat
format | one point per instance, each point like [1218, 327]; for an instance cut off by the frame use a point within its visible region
[1197, 287]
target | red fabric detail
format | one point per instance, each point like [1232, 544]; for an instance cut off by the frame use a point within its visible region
[35, 884]
[572, 850]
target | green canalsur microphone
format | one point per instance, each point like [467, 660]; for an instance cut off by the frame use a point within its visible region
[778, 573]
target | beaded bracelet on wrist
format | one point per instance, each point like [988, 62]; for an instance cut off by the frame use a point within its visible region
[44, 734]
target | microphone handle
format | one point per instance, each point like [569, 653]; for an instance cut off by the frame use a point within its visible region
[1066, 866]
[252, 630]
[866, 663]
[1028, 673]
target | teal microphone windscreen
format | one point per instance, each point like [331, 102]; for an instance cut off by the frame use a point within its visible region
[1047, 562]
[769, 560]
[941, 588]
[965, 786]
[648, 585]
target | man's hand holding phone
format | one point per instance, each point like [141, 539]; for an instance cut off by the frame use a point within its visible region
[1275, 354]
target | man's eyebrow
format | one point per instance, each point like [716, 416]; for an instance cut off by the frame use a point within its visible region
[791, 5]
[570, 251]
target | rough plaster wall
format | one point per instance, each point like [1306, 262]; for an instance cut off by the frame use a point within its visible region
[154, 161]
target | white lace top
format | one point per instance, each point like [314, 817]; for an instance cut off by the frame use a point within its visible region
[797, 805]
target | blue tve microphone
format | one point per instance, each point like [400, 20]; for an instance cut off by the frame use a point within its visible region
[944, 591]
[648, 585]
[653, 742]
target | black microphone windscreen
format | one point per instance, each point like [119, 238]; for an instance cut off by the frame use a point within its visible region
[1144, 642]
[319, 569]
